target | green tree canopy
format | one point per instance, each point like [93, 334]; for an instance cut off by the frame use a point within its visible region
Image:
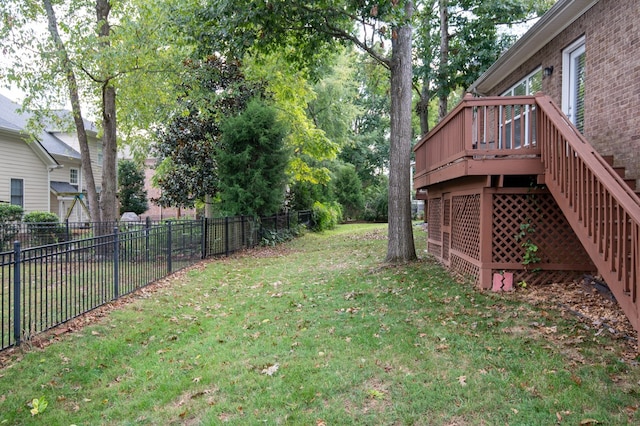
[187, 169]
[132, 195]
[303, 31]
[252, 160]
[457, 40]
[348, 189]
[292, 93]
[368, 150]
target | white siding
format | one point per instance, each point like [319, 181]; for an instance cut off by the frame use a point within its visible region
[62, 174]
[95, 147]
[18, 161]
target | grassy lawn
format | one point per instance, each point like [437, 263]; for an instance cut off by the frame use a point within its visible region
[319, 332]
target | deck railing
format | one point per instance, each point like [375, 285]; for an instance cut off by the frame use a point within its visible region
[480, 128]
[602, 210]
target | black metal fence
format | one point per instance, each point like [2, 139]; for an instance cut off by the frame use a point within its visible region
[47, 285]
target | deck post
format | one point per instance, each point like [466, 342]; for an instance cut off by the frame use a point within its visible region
[486, 232]
[467, 128]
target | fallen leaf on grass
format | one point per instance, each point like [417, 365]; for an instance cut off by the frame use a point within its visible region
[589, 422]
[577, 380]
[271, 370]
[560, 413]
[462, 380]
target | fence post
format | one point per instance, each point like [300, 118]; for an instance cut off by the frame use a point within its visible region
[205, 236]
[68, 234]
[242, 228]
[226, 236]
[116, 265]
[147, 229]
[169, 266]
[16, 291]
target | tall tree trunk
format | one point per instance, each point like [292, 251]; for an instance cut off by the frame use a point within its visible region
[108, 201]
[400, 246]
[443, 95]
[85, 156]
[423, 109]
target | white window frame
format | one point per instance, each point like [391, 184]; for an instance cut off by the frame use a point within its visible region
[21, 195]
[73, 181]
[527, 80]
[568, 53]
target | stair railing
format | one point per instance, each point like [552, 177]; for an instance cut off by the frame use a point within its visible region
[602, 210]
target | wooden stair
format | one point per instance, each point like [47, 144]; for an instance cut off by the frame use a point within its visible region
[622, 172]
[597, 200]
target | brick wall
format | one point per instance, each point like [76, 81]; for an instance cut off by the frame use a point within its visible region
[156, 212]
[612, 100]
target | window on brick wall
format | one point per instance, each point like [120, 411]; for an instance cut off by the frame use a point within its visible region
[573, 82]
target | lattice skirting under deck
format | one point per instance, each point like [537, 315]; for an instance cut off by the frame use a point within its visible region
[512, 209]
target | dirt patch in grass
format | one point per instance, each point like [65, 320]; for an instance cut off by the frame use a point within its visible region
[377, 399]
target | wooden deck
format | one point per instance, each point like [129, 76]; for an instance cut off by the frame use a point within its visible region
[480, 137]
[489, 142]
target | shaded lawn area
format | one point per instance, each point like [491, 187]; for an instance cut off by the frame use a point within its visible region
[319, 332]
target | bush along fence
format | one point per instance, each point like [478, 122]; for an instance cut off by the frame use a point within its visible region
[47, 285]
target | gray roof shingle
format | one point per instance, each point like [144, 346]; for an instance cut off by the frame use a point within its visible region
[11, 119]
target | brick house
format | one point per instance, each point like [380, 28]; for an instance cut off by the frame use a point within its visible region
[155, 211]
[608, 32]
[533, 174]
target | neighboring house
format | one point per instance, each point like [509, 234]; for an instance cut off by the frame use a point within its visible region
[155, 211]
[541, 188]
[44, 174]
